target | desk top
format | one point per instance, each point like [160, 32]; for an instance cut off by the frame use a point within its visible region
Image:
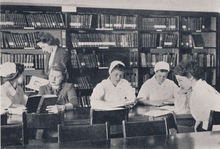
[200, 140]
[82, 116]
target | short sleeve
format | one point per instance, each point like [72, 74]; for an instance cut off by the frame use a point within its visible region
[144, 91]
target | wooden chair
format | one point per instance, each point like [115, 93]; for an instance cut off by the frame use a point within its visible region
[83, 132]
[114, 117]
[214, 119]
[40, 121]
[171, 122]
[133, 129]
[11, 134]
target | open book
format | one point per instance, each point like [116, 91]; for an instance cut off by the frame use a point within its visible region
[36, 82]
[38, 103]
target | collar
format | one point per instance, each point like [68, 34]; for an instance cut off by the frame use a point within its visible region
[10, 88]
[155, 81]
[110, 82]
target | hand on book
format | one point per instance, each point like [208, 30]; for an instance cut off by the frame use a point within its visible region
[55, 108]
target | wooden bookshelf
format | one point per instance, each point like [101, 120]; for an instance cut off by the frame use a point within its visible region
[139, 38]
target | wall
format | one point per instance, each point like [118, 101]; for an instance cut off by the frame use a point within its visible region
[176, 5]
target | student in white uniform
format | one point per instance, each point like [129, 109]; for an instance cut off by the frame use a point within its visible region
[204, 97]
[113, 91]
[12, 95]
[157, 90]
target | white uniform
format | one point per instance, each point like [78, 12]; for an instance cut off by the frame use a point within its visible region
[203, 99]
[153, 91]
[105, 94]
[11, 96]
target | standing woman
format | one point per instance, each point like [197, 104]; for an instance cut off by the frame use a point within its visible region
[12, 95]
[67, 98]
[204, 97]
[114, 91]
[56, 54]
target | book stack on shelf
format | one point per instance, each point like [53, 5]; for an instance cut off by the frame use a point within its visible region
[35, 20]
[84, 60]
[80, 20]
[131, 78]
[84, 101]
[83, 83]
[30, 61]
[19, 40]
[150, 59]
[134, 57]
[159, 40]
[117, 21]
[160, 23]
[104, 40]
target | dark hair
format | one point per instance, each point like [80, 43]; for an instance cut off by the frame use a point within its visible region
[119, 67]
[46, 37]
[189, 68]
[13, 76]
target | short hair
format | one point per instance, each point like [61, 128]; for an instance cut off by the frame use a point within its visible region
[189, 68]
[46, 37]
[119, 67]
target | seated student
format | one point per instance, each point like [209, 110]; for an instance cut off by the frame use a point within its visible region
[12, 95]
[114, 91]
[203, 97]
[158, 89]
[67, 98]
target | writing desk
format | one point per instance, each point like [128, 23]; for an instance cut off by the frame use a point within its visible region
[208, 139]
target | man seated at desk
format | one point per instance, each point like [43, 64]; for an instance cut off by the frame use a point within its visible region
[159, 90]
[114, 91]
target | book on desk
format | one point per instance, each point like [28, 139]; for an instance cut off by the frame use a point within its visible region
[38, 103]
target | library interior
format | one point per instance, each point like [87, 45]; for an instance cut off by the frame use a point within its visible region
[110, 74]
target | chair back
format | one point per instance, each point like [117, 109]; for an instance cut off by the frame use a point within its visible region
[171, 121]
[114, 117]
[40, 121]
[11, 134]
[214, 119]
[83, 132]
[133, 129]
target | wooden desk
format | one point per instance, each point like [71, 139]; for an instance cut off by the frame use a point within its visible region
[82, 116]
[199, 140]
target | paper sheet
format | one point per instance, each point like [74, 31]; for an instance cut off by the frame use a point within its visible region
[36, 82]
[156, 113]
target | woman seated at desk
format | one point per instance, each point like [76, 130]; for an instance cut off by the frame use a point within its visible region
[67, 98]
[203, 97]
[159, 90]
[114, 91]
[12, 95]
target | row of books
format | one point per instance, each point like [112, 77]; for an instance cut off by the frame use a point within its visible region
[132, 79]
[159, 40]
[83, 60]
[133, 57]
[150, 59]
[104, 40]
[83, 82]
[145, 77]
[35, 20]
[203, 59]
[80, 21]
[84, 101]
[18, 40]
[117, 21]
[160, 23]
[192, 41]
[30, 61]
[194, 23]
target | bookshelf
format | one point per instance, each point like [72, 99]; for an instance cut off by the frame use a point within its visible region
[20, 26]
[96, 36]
